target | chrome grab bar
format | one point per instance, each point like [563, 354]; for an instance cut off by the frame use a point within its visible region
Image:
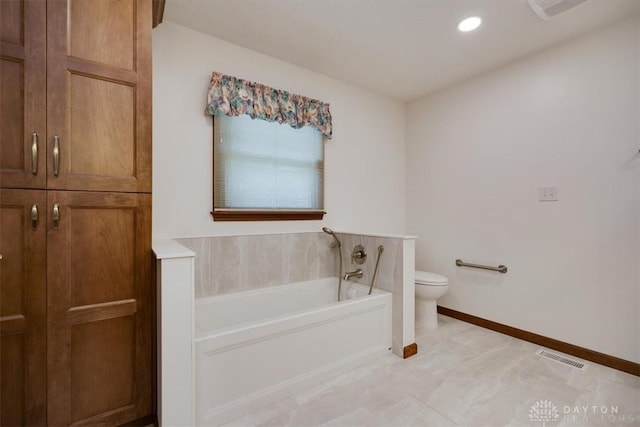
[501, 268]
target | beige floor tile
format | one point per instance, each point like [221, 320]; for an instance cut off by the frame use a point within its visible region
[410, 412]
[259, 416]
[462, 393]
[355, 418]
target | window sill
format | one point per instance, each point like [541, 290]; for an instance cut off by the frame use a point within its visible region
[267, 215]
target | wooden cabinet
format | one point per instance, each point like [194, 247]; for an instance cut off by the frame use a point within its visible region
[76, 94]
[22, 93]
[98, 280]
[76, 297]
[75, 307]
[23, 307]
[99, 95]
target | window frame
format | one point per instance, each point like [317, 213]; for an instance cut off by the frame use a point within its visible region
[265, 215]
[248, 214]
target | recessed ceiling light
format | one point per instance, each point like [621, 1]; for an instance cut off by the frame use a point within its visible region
[469, 24]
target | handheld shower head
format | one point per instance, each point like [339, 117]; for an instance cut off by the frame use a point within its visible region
[332, 234]
[336, 244]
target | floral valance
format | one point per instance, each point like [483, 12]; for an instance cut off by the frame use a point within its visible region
[234, 97]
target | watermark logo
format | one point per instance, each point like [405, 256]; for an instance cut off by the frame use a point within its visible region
[544, 411]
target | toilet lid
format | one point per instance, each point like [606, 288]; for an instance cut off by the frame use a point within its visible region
[426, 278]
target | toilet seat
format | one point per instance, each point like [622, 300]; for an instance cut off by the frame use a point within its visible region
[430, 279]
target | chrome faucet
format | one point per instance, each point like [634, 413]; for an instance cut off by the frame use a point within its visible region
[357, 273]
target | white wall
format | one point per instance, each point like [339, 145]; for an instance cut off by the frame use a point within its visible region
[364, 162]
[476, 154]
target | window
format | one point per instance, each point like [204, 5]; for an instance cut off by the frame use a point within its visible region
[266, 170]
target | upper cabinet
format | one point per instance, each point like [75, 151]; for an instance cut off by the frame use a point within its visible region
[23, 93]
[99, 95]
[76, 95]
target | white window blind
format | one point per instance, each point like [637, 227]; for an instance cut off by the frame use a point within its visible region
[264, 165]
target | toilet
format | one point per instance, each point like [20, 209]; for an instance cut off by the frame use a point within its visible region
[429, 287]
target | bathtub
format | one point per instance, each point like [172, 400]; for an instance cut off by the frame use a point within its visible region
[255, 347]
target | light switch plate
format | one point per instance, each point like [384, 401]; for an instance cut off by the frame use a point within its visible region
[548, 193]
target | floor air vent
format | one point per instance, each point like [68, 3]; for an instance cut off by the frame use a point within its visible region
[561, 359]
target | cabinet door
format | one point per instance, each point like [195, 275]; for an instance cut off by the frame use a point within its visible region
[22, 93]
[99, 307]
[23, 337]
[99, 95]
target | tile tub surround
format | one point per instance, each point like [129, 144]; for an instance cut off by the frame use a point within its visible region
[467, 376]
[227, 264]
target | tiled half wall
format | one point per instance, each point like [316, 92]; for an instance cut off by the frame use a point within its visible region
[239, 263]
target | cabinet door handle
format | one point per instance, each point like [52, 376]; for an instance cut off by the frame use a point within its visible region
[34, 153]
[56, 216]
[34, 216]
[56, 155]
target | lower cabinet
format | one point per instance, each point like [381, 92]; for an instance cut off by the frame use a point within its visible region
[23, 308]
[76, 307]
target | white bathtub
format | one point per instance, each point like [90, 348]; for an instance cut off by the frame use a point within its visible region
[255, 347]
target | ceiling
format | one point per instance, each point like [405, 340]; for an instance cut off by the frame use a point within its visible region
[401, 48]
